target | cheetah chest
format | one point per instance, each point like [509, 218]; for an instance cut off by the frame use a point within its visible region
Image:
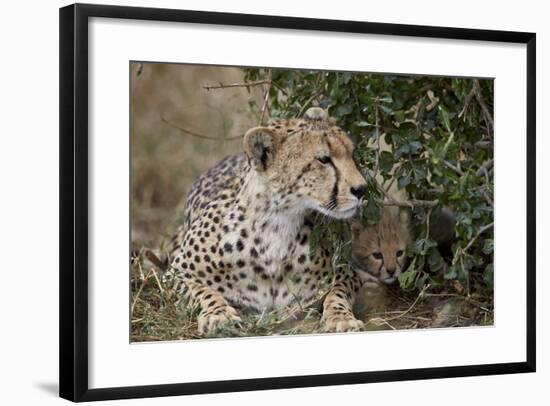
[255, 260]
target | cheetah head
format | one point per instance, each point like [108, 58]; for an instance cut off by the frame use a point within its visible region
[379, 250]
[307, 163]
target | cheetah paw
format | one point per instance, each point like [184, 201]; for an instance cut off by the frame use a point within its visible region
[210, 322]
[340, 324]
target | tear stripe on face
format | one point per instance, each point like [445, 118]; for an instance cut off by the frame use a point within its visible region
[364, 274]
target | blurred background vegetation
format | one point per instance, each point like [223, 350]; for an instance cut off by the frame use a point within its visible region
[424, 143]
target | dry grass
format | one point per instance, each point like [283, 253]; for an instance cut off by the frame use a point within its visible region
[159, 314]
[164, 163]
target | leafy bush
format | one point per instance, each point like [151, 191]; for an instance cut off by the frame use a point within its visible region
[441, 135]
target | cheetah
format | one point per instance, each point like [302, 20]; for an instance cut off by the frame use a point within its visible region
[245, 242]
[378, 251]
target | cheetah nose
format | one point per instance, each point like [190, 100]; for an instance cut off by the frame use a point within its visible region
[359, 191]
[390, 271]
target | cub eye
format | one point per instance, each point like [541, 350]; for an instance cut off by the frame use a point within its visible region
[377, 255]
[324, 159]
[399, 253]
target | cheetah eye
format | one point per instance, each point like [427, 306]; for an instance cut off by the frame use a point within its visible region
[399, 253]
[377, 255]
[325, 159]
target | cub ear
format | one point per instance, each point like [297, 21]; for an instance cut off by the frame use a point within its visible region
[356, 228]
[260, 144]
[405, 217]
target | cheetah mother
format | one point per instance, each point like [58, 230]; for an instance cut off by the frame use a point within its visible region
[245, 241]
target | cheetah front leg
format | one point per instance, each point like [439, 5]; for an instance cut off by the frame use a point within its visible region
[215, 311]
[337, 309]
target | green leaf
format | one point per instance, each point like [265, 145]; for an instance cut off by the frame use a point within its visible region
[419, 174]
[386, 161]
[435, 260]
[343, 110]
[363, 124]
[422, 245]
[371, 212]
[488, 246]
[407, 278]
[403, 181]
[452, 273]
[488, 275]
[445, 117]
[415, 146]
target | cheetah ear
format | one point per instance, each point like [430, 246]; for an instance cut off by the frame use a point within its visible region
[260, 144]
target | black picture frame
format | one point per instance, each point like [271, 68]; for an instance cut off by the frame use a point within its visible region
[73, 253]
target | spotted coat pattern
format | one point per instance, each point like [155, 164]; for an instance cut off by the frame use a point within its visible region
[245, 241]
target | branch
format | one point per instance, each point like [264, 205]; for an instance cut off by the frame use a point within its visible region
[420, 296]
[467, 103]
[395, 175]
[484, 167]
[194, 134]
[471, 242]
[453, 167]
[409, 203]
[486, 196]
[477, 91]
[266, 96]
[307, 103]
[484, 144]
[227, 85]
[377, 132]
[390, 201]
[428, 223]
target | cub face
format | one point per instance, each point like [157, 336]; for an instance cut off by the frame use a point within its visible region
[307, 164]
[379, 250]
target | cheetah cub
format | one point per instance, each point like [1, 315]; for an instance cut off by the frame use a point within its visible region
[378, 251]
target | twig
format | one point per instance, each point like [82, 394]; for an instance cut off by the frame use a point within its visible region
[377, 132]
[481, 231]
[194, 134]
[486, 196]
[390, 201]
[420, 295]
[247, 84]
[486, 188]
[484, 167]
[453, 167]
[487, 114]
[307, 103]
[428, 223]
[460, 252]
[379, 320]
[409, 203]
[467, 103]
[462, 297]
[266, 96]
[395, 175]
[483, 144]
[139, 69]
[143, 283]
[157, 280]
[447, 144]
